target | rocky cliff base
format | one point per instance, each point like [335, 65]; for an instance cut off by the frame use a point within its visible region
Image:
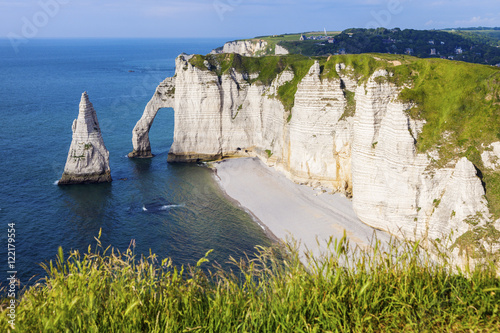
[68, 179]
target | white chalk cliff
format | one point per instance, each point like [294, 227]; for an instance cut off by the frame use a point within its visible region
[250, 48]
[88, 158]
[491, 156]
[370, 155]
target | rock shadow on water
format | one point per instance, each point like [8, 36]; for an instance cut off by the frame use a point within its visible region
[87, 201]
[141, 165]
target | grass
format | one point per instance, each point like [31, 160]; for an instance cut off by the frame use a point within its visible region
[350, 107]
[363, 66]
[389, 289]
[455, 97]
[295, 37]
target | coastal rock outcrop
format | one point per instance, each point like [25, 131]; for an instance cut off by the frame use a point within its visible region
[251, 48]
[88, 158]
[280, 50]
[341, 135]
[398, 189]
[163, 98]
[491, 156]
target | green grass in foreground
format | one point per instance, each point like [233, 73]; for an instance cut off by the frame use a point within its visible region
[345, 291]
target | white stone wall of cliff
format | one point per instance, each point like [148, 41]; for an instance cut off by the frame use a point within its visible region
[240, 119]
[372, 154]
[319, 151]
[197, 130]
[395, 188]
[280, 50]
[247, 48]
[250, 48]
[221, 116]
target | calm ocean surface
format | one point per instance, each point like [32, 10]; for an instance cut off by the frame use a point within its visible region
[176, 211]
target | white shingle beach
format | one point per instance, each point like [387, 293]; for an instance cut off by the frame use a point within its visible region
[291, 210]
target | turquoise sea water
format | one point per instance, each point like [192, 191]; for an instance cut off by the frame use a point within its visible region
[177, 211]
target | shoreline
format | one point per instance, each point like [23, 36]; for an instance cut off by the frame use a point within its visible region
[289, 211]
[235, 202]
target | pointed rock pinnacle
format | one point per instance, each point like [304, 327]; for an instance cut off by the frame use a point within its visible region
[88, 158]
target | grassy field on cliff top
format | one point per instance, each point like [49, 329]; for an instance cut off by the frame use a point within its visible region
[474, 46]
[386, 289]
[459, 101]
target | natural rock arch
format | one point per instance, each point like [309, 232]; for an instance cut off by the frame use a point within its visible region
[163, 98]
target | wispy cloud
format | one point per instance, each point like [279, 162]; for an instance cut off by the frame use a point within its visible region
[173, 8]
[436, 24]
[453, 4]
[477, 20]
[372, 2]
[310, 3]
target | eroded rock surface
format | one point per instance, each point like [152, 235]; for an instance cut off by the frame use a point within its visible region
[250, 48]
[162, 98]
[244, 47]
[491, 156]
[88, 158]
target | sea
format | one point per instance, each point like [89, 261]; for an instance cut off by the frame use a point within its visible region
[172, 210]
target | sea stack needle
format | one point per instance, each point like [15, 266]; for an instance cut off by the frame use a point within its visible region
[88, 158]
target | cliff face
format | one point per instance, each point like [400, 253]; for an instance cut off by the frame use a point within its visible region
[88, 158]
[341, 134]
[398, 189]
[251, 48]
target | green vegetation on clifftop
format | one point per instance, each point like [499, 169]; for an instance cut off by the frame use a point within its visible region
[267, 68]
[460, 103]
[470, 46]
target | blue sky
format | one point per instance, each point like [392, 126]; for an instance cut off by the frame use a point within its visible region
[232, 18]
